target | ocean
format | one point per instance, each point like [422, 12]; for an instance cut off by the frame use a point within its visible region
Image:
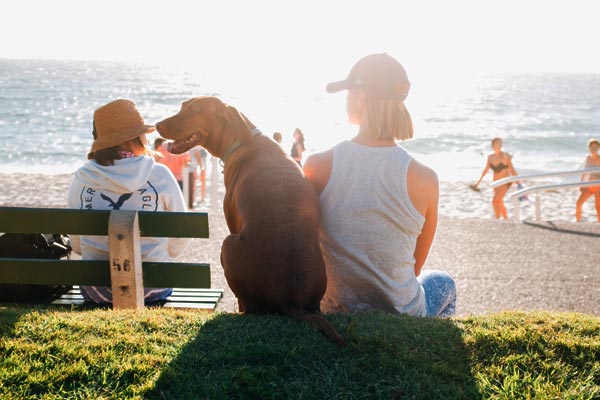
[545, 119]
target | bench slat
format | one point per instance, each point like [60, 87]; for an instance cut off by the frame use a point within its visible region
[176, 274]
[42, 220]
[95, 222]
[54, 272]
[174, 224]
[203, 306]
[97, 273]
[193, 299]
[205, 299]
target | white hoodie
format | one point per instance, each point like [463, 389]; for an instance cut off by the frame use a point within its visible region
[136, 183]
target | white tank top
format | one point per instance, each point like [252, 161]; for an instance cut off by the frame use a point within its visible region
[369, 230]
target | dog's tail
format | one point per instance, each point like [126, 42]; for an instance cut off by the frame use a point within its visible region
[317, 321]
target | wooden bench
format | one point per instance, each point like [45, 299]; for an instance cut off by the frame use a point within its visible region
[125, 272]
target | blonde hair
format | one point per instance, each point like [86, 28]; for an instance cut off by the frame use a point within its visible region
[389, 119]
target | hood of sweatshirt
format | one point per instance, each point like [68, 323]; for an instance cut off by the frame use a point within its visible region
[125, 176]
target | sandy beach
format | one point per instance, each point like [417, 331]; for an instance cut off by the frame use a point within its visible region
[498, 265]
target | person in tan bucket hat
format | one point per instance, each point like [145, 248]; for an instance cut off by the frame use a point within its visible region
[121, 174]
[116, 123]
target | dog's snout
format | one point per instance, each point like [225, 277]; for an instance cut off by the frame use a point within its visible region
[158, 126]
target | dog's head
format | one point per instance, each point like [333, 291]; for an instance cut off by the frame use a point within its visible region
[208, 122]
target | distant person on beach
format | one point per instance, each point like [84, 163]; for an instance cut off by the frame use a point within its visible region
[501, 163]
[591, 161]
[175, 162]
[379, 206]
[198, 158]
[122, 175]
[278, 137]
[298, 146]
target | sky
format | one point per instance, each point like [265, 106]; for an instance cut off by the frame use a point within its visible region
[310, 37]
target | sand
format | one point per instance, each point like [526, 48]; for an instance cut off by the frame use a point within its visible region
[553, 264]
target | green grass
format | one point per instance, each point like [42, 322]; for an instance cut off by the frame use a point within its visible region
[175, 354]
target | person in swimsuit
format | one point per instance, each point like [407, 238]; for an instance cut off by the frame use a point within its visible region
[298, 146]
[500, 162]
[591, 161]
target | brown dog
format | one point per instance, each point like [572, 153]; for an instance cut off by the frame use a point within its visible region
[272, 259]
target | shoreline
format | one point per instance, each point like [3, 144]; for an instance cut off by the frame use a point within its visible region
[456, 199]
[497, 265]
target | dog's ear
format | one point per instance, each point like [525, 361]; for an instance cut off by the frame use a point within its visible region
[239, 125]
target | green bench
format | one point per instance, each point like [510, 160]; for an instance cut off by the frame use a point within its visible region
[124, 272]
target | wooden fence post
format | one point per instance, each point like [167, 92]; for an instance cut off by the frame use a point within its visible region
[125, 260]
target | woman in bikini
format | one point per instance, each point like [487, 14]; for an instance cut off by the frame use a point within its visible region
[591, 161]
[499, 162]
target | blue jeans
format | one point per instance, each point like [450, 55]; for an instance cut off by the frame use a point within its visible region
[440, 293]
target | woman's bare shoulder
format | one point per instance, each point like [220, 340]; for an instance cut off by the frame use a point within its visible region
[423, 187]
[423, 172]
[317, 168]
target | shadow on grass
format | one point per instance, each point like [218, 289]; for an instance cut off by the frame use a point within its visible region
[271, 357]
[8, 318]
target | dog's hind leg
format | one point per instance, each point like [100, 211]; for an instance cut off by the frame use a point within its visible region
[241, 275]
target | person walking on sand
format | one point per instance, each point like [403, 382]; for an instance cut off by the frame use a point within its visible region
[592, 160]
[379, 206]
[501, 163]
[121, 174]
[298, 146]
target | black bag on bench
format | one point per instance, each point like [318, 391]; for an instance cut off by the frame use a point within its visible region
[33, 245]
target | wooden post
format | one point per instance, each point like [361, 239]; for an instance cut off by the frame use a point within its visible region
[125, 260]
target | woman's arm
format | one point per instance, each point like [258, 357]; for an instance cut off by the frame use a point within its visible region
[511, 169]
[423, 190]
[485, 171]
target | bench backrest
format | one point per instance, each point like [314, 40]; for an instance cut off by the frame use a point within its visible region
[123, 229]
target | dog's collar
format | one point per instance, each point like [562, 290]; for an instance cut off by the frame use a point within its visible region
[235, 145]
[229, 151]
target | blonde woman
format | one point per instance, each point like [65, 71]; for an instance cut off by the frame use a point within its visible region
[591, 161]
[379, 206]
[501, 163]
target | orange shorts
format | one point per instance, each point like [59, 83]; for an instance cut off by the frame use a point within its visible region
[590, 189]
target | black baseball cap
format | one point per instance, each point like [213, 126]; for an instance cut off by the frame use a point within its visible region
[379, 75]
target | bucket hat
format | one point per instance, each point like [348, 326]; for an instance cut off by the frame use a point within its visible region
[117, 122]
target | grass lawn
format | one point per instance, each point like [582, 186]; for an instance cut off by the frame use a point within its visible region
[175, 354]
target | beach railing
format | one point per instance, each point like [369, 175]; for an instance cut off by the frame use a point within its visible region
[544, 188]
